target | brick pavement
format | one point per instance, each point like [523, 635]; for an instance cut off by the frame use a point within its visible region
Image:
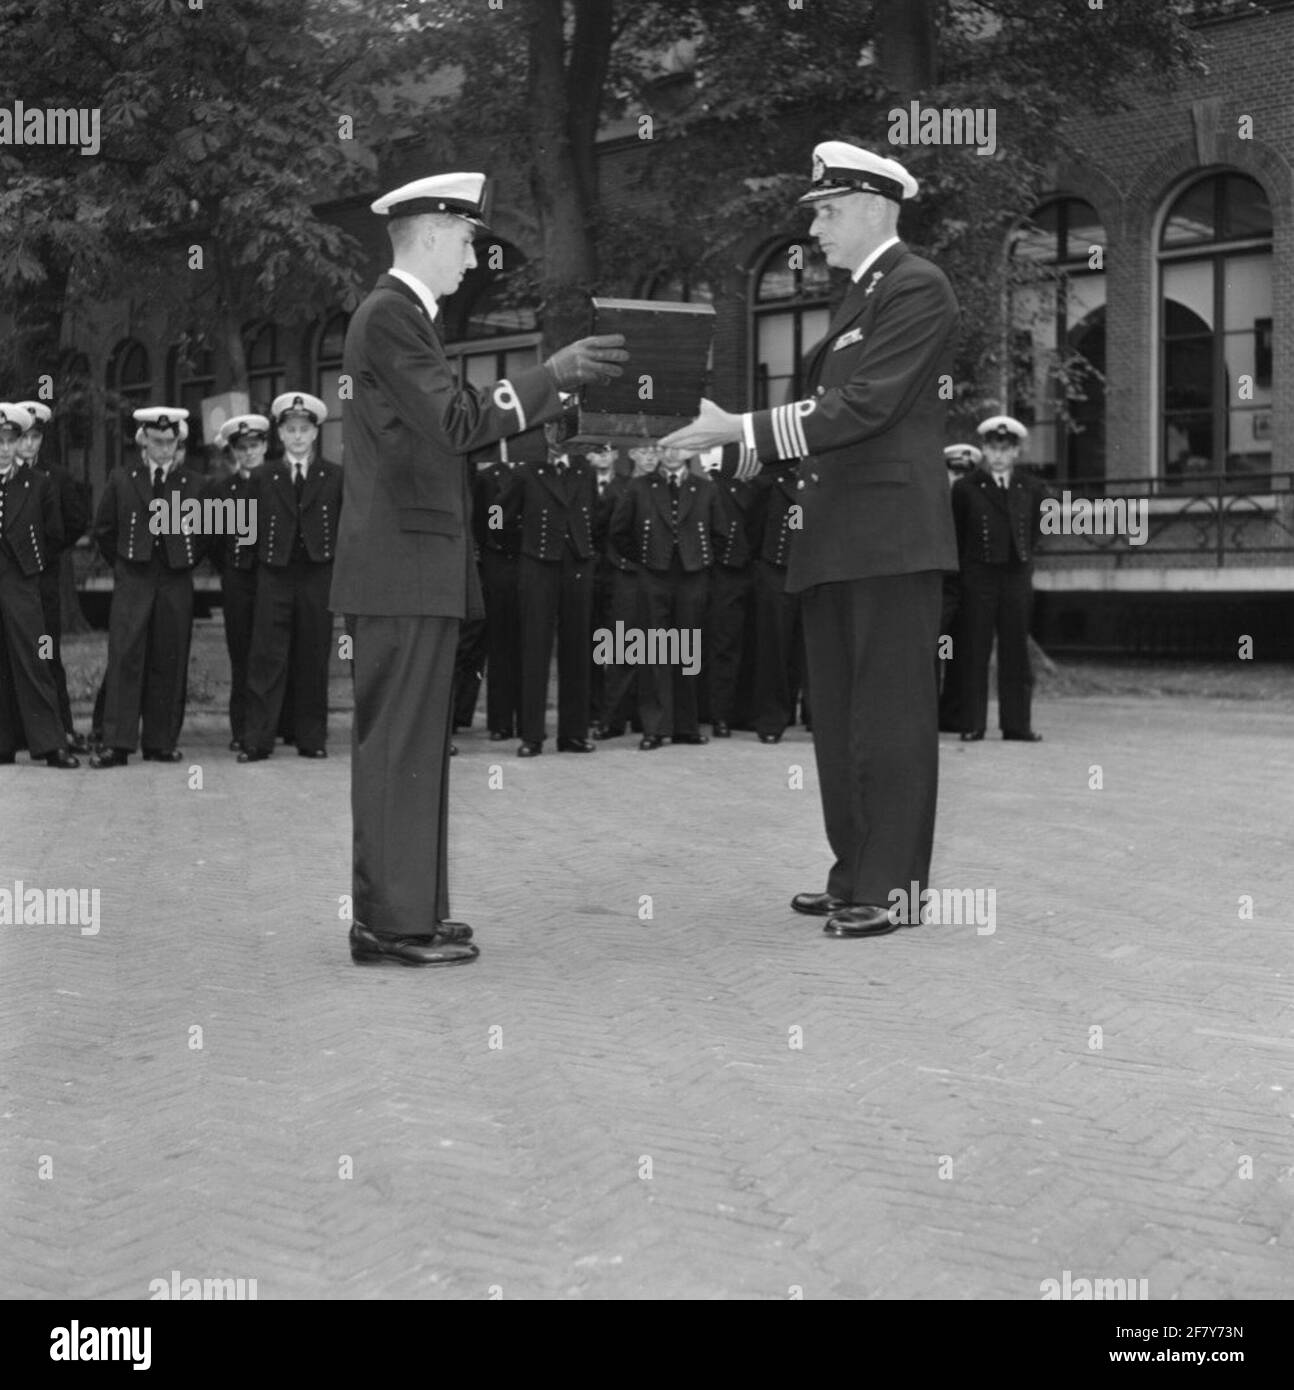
[945, 1130]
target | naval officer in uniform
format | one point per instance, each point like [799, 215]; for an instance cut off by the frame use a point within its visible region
[877, 535]
[998, 512]
[405, 575]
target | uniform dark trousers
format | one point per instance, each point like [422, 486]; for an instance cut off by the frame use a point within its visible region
[779, 649]
[997, 598]
[28, 700]
[238, 604]
[730, 597]
[469, 669]
[291, 633]
[149, 630]
[556, 596]
[52, 608]
[950, 678]
[667, 699]
[615, 688]
[502, 642]
[875, 728]
[399, 789]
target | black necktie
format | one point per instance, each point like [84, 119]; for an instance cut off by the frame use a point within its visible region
[159, 480]
[602, 487]
[298, 482]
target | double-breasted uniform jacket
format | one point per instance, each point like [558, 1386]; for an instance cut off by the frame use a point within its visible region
[278, 522]
[870, 436]
[553, 508]
[229, 551]
[616, 488]
[490, 529]
[404, 546]
[777, 519]
[996, 525]
[736, 503]
[643, 529]
[121, 523]
[72, 505]
[32, 529]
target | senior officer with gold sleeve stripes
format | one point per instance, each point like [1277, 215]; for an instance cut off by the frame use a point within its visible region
[405, 575]
[877, 533]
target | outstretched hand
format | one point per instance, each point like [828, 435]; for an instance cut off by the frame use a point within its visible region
[714, 426]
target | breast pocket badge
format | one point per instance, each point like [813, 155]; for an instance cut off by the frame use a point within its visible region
[855, 335]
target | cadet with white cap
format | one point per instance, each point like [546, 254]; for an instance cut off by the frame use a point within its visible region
[34, 452]
[405, 576]
[234, 559]
[998, 513]
[31, 536]
[298, 517]
[142, 533]
[876, 536]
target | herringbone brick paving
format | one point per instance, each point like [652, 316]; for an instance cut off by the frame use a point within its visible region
[946, 1128]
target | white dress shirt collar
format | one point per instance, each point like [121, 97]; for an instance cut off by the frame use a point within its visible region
[880, 251]
[425, 296]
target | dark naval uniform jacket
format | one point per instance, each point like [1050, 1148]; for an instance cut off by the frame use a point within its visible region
[555, 511]
[736, 504]
[31, 533]
[870, 438]
[281, 533]
[228, 551]
[996, 525]
[643, 530]
[121, 523]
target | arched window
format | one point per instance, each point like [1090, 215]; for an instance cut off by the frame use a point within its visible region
[265, 370]
[327, 355]
[191, 379]
[1215, 326]
[790, 309]
[130, 387]
[1057, 384]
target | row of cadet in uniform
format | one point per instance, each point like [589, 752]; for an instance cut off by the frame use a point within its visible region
[569, 547]
[275, 574]
[564, 547]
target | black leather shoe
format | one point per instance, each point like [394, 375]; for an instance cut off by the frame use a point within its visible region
[161, 755]
[109, 757]
[498, 736]
[576, 745]
[605, 731]
[312, 752]
[60, 757]
[720, 730]
[529, 750]
[253, 755]
[693, 739]
[1028, 736]
[866, 919]
[976, 737]
[770, 738]
[367, 948]
[235, 745]
[76, 743]
[649, 743]
[818, 904]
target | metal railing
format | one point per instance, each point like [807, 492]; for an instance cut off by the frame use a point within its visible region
[1229, 517]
